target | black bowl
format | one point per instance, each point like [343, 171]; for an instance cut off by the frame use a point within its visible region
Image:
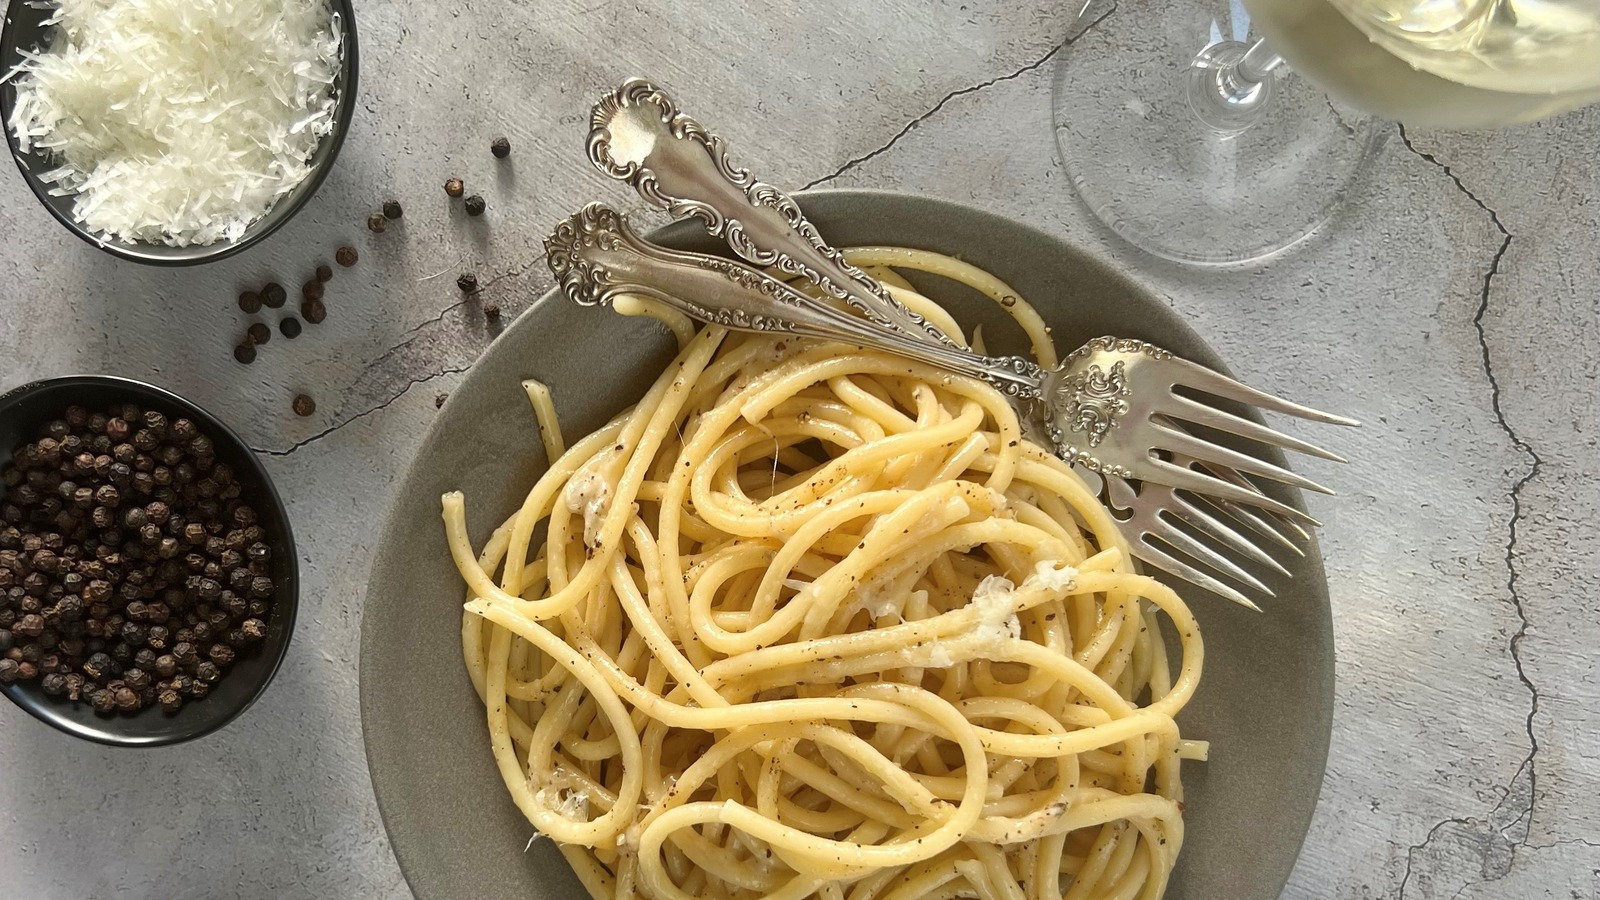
[25, 30]
[23, 411]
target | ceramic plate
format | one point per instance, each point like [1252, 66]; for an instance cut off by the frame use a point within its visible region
[1265, 702]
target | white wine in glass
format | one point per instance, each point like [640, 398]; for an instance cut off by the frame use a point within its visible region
[1443, 63]
[1185, 137]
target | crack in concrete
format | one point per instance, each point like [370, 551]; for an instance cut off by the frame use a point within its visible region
[413, 334]
[1528, 766]
[299, 445]
[1412, 851]
[961, 92]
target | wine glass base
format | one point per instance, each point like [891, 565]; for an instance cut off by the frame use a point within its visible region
[1151, 162]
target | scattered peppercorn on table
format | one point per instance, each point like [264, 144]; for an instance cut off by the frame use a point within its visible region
[1471, 486]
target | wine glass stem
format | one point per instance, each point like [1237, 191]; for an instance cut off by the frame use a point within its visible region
[1230, 84]
[1258, 62]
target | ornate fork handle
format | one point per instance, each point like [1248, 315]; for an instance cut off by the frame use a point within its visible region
[596, 256]
[638, 135]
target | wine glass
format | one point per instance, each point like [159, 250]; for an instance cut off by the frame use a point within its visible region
[1193, 145]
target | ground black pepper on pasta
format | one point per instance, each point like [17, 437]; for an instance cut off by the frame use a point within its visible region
[132, 572]
[810, 620]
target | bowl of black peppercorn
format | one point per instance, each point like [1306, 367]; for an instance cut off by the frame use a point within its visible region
[148, 575]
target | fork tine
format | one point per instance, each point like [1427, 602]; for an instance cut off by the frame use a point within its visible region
[1272, 527]
[1149, 553]
[1284, 531]
[1204, 451]
[1189, 544]
[1210, 486]
[1191, 410]
[1212, 382]
[1196, 517]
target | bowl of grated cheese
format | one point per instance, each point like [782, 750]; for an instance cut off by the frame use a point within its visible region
[175, 132]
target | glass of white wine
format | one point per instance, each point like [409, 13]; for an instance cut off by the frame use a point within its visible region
[1193, 144]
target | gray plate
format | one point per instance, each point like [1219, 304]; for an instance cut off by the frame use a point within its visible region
[1265, 703]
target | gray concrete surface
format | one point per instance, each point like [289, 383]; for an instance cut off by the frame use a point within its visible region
[1454, 307]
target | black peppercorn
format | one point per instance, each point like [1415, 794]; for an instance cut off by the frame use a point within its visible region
[202, 446]
[312, 290]
[467, 282]
[253, 629]
[324, 272]
[185, 653]
[207, 673]
[500, 147]
[491, 311]
[221, 654]
[314, 311]
[273, 296]
[475, 205]
[171, 701]
[391, 209]
[127, 700]
[290, 327]
[165, 665]
[10, 671]
[104, 701]
[258, 333]
[99, 667]
[377, 224]
[346, 256]
[304, 405]
[455, 187]
[245, 352]
[145, 659]
[249, 302]
[261, 586]
[136, 678]
[158, 637]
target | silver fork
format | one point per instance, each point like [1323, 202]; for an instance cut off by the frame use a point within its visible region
[1111, 387]
[1105, 408]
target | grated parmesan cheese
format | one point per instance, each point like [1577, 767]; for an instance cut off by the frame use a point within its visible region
[178, 122]
[997, 618]
[590, 494]
[1047, 575]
